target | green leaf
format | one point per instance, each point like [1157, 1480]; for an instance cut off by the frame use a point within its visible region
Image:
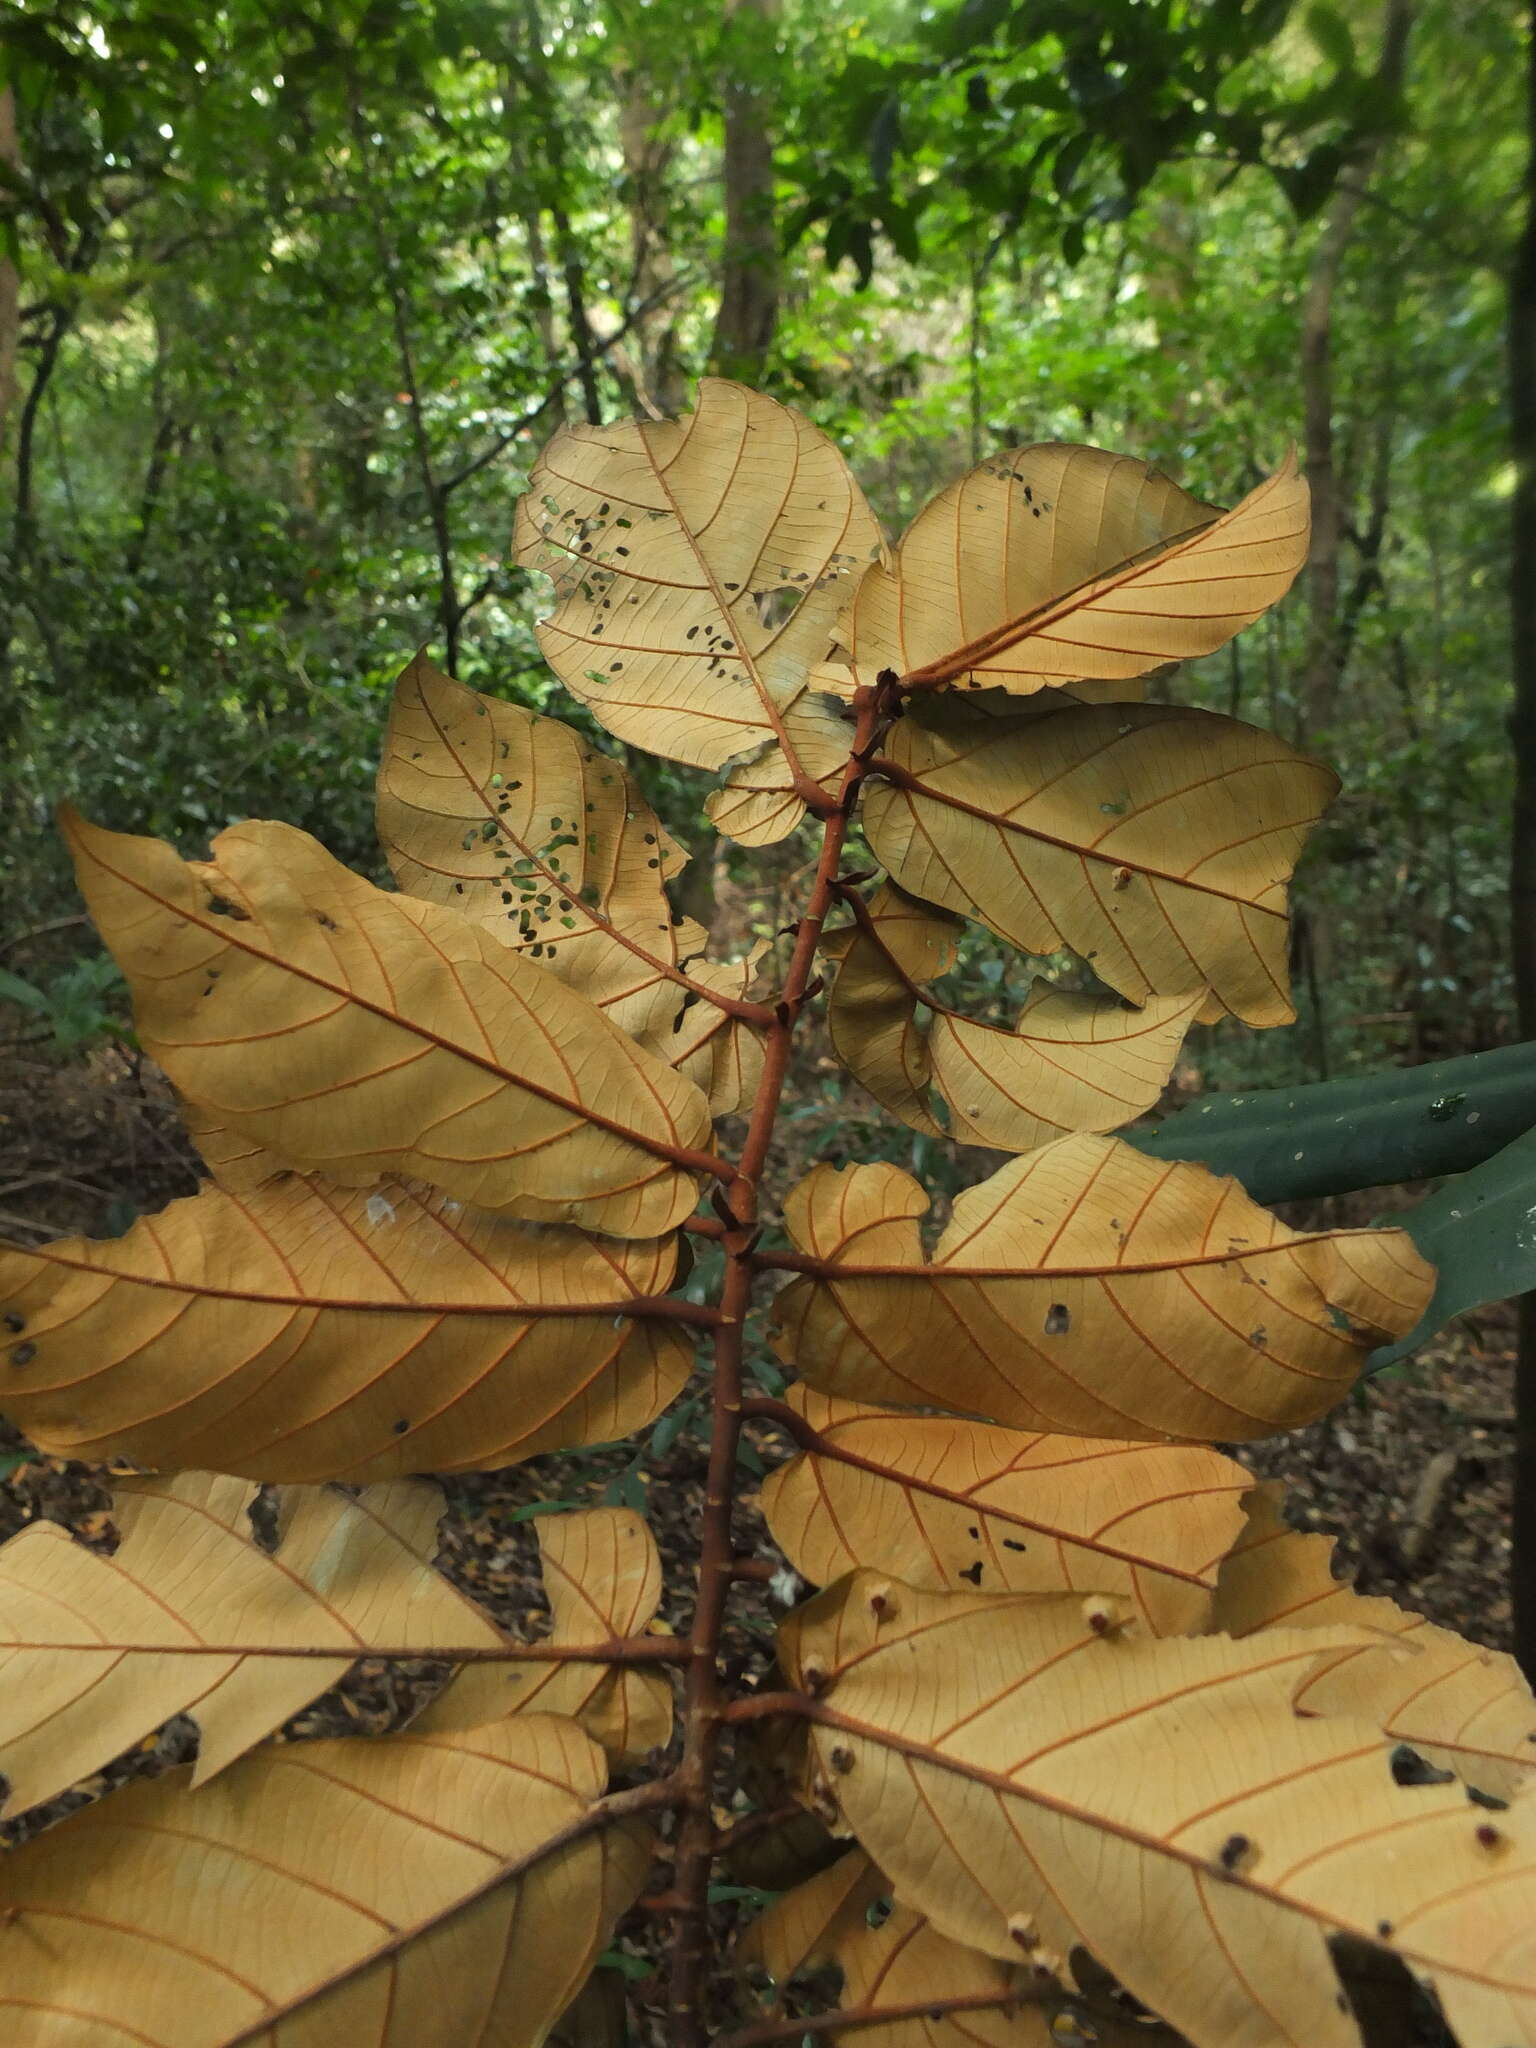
[1409, 1123]
[1480, 1231]
[1331, 33]
[533, 1508]
[631, 1967]
[12, 1461]
[23, 993]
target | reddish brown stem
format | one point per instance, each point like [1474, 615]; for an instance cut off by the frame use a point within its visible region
[754, 1570]
[704, 1226]
[705, 1709]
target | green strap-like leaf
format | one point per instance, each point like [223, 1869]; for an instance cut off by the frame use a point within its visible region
[1410, 1123]
[1479, 1231]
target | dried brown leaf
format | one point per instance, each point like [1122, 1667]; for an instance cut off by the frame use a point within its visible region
[1034, 1779]
[190, 1616]
[1465, 1708]
[1154, 841]
[935, 1993]
[947, 1505]
[1067, 566]
[699, 566]
[361, 1033]
[1071, 1062]
[413, 1890]
[307, 1332]
[1088, 1289]
[602, 1573]
[517, 821]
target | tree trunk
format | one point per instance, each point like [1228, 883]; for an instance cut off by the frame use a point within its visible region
[541, 96]
[749, 270]
[1323, 664]
[659, 375]
[10, 279]
[1522, 867]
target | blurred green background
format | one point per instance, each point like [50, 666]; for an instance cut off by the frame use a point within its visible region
[291, 295]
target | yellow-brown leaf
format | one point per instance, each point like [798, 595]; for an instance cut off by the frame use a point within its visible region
[190, 1616]
[758, 804]
[1066, 566]
[1466, 1708]
[1154, 841]
[1071, 1062]
[360, 1033]
[1030, 1781]
[524, 826]
[933, 1993]
[413, 1892]
[946, 1504]
[307, 1332]
[699, 565]
[1087, 1289]
[602, 1574]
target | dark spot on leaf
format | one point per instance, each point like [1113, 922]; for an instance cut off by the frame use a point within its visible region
[24, 1354]
[15, 1323]
[220, 906]
[1012, 1543]
[973, 1573]
[1409, 1768]
[1489, 1800]
[1058, 1320]
[401, 1426]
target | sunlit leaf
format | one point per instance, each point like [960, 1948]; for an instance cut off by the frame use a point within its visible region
[699, 565]
[1034, 1779]
[308, 1332]
[1460, 1705]
[602, 1575]
[1155, 842]
[548, 844]
[1061, 565]
[1071, 1062]
[363, 1033]
[190, 1616]
[949, 1504]
[1085, 1288]
[430, 1890]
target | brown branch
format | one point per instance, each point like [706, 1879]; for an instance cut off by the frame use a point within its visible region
[705, 1711]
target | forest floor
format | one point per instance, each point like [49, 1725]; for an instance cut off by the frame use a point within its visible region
[1411, 1475]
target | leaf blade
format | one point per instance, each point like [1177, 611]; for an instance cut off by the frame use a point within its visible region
[1153, 840]
[972, 1773]
[263, 1335]
[408, 1888]
[361, 1033]
[1087, 1290]
[694, 669]
[943, 1504]
[488, 808]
